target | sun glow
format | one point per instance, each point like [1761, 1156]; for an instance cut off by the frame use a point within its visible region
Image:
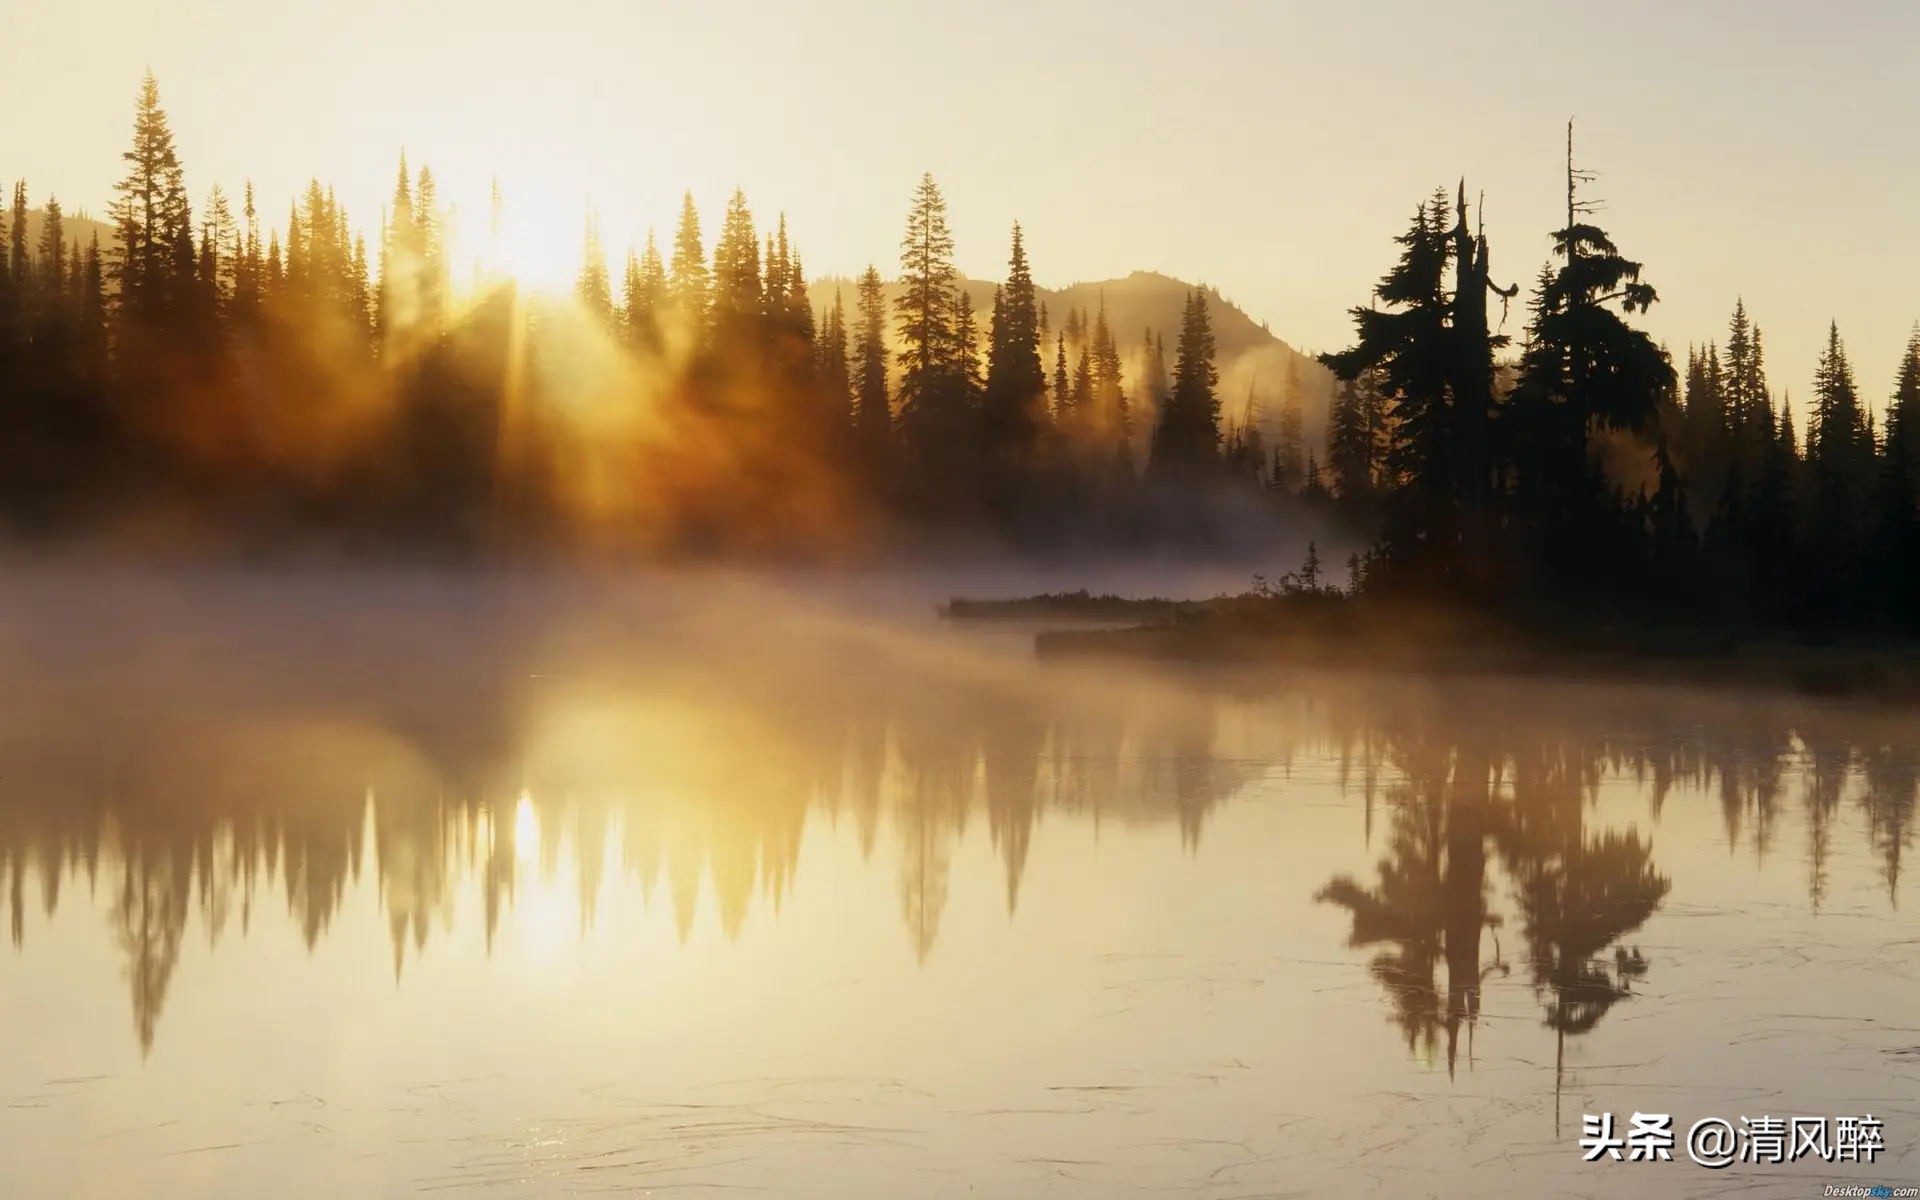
[538, 245]
[526, 830]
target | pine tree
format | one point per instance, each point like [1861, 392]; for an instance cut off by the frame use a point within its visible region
[737, 309]
[1186, 439]
[360, 295]
[1112, 416]
[1080, 407]
[1350, 444]
[274, 281]
[1291, 446]
[688, 282]
[247, 268]
[397, 313]
[220, 250]
[630, 301]
[1840, 460]
[834, 368]
[298, 284]
[873, 415]
[1153, 377]
[91, 336]
[938, 389]
[1585, 370]
[1062, 391]
[1898, 550]
[778, 259]
[966, 341]
[647, 299]
[926, 305]
[1408, 346]
[12, 336]
[48, 285]
[798, 315]
[20, 265]
[1704, 439]
[320, 255]
[1311, 486]
[1760, 529]
[1016, 382]
[594, 289]
[1744, 392]
[433, 266]
[52, 281]
[153, 220]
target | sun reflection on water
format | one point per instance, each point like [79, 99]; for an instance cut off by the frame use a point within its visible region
[526, 830]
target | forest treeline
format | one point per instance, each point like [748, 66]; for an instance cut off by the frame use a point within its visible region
[209, 374]
[1578, 469]
[212, 375]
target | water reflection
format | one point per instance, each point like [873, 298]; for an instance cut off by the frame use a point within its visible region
[299, 784]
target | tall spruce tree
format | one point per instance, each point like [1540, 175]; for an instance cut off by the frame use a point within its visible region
[926, 304]
[1743, 384]
[797, 311]
[688, 281]
[1186, 439]
[1290, 446]
[91, 309]
[1061, 388]
[968, 376]
[936, 409]
[247, 267]
[397, 311]
[775, 287]
[1153, 377]
[1011, 409]
[594, 288]
[738, 297]
[1840, 456]
[1080, 408]
[873, 414]
[428, 237]
[53, 239]
[630, 302]
[1112, 415]
[1349, 444]
[1406, 339]
[834, 368]
[1898, 549]
[19, 256]
[647, 299]
[1585, 370]
[153, 222]
[220, 250]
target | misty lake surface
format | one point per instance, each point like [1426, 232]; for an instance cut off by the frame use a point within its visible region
[326, 885]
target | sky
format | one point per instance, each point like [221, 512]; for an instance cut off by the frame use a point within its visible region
[1758, 149]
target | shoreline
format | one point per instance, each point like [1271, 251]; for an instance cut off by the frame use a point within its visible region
[1328, 631]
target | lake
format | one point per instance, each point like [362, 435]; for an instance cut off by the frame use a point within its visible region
[344, 884]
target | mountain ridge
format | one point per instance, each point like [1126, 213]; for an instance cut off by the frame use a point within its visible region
[1256, 366]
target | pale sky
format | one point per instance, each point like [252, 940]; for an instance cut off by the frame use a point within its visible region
[1761, 148]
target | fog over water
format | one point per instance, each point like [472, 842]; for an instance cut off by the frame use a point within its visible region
[351, 882]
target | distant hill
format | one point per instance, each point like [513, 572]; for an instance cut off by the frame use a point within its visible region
[76, 227]
[1253, 362]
